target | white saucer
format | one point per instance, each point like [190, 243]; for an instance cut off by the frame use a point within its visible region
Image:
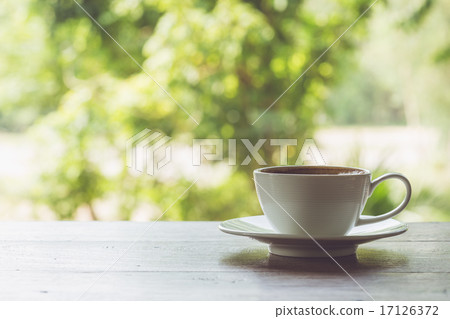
[259, 228]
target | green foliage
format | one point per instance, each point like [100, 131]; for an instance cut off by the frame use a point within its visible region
[30, 82]
[443, 55]
[381, 200]
[399, 75]
[418, 16]
[224, 61]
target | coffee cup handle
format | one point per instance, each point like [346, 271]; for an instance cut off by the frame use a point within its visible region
[364, 220]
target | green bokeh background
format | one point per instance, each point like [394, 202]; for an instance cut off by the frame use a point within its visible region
[70, 93]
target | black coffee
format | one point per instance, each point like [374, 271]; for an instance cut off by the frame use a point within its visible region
[314, 170]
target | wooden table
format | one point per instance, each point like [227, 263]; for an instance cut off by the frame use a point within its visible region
[195, 261]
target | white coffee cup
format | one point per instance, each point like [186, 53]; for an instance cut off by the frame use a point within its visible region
[319, 201]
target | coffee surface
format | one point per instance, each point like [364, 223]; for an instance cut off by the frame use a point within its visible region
[314, 170]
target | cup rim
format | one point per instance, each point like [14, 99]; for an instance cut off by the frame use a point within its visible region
[262, 170]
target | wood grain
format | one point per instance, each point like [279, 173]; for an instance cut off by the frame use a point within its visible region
[195, 261]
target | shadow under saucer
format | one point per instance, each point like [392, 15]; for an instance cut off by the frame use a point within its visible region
[365, 260]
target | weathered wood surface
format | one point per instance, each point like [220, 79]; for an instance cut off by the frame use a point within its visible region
[195, 261]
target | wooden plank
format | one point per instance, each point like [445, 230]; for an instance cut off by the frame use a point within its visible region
[247, 255]
[420, 232]
[167, 231]
[195, 261]
[219, 286]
